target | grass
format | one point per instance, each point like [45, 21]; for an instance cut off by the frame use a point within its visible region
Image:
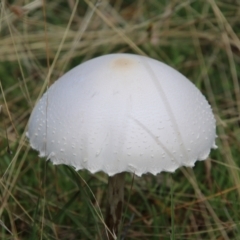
[40, 41]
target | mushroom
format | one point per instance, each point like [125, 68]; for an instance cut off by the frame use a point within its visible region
[122, 113]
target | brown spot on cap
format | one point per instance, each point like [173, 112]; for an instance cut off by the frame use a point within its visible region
[123, 63]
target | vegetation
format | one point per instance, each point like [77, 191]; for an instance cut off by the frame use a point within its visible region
[40, 40]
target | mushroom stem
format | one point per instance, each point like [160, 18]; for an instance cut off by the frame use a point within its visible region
[114, 204]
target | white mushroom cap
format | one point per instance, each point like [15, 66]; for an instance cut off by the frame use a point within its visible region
[123, 112]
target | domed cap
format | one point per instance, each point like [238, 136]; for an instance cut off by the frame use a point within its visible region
[123, 112]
